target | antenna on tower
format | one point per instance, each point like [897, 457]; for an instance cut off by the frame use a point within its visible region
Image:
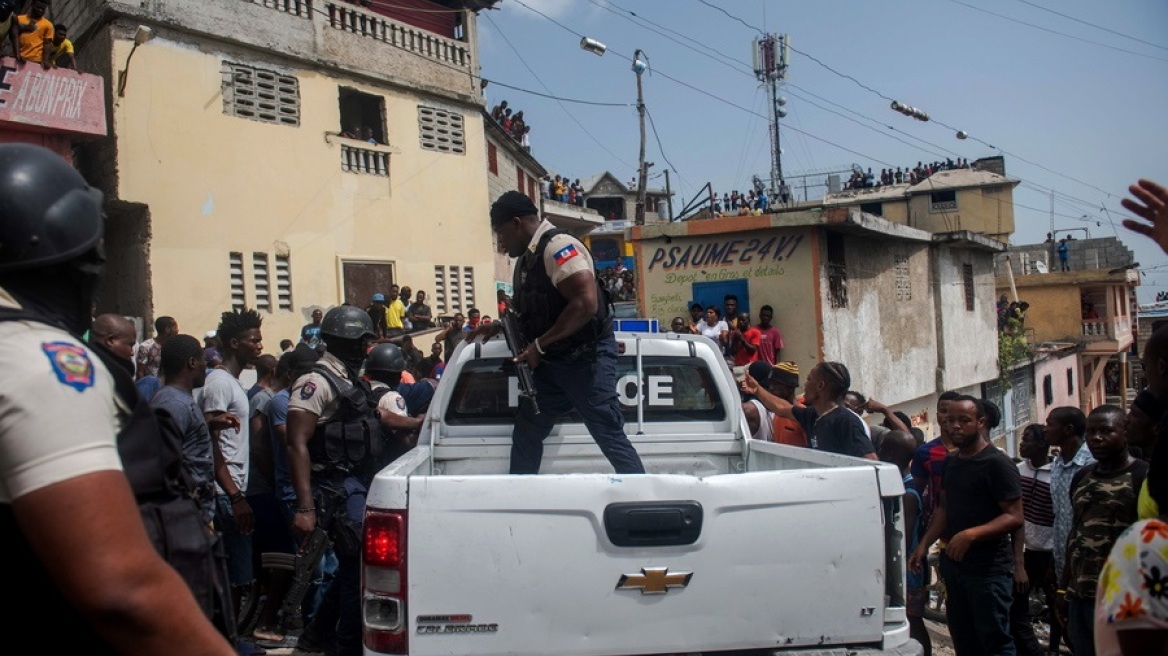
[771, 55]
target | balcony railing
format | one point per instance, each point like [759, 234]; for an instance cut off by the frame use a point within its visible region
[355, 20]
[364, 160]
[1106, 328]
[375, 26]
[301, 8]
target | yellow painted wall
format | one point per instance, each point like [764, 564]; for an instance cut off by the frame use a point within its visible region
[215, 183]
[1055, 313]
[783, 278]
[986, 210]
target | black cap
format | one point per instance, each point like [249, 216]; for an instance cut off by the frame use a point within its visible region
[510, 205]
[761, 372]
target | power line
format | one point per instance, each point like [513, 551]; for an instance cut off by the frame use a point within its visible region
[1064, 34]
[662, 149]
[558, 98]
[1098, 27]
[541, 83]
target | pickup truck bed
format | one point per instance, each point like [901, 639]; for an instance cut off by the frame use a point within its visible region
[726, 544]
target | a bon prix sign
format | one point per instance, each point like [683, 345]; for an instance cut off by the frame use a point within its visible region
[55, 100]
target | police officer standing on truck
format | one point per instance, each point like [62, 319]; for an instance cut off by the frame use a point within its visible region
[69, 518]
[328, 407]
[566, 321]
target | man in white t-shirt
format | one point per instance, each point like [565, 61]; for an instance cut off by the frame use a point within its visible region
[223, 394]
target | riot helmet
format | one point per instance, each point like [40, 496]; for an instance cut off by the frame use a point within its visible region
[346, 331]
[347, 322]
[385, 358]
[51, 228]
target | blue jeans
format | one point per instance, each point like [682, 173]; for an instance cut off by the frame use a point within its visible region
[590, 389]
[236, 545]
[977, 609]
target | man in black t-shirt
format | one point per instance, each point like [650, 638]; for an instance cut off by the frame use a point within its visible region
[981, 505]
[826, 421]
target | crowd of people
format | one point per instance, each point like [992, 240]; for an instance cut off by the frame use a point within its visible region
[29, 36]
[513, 124]
[562, 189]
[1079, 518]
[908, 175]
[619, 280]
[263, 466]
[1011, 315]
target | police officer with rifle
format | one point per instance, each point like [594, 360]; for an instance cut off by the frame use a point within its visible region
[334, 446]
[565, 321]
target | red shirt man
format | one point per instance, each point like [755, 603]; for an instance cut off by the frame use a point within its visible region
[771, 340]
[746, 341]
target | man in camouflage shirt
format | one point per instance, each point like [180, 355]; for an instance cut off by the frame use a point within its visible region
[1104, 502]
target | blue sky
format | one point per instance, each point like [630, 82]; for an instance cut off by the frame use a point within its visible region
[1074, 93]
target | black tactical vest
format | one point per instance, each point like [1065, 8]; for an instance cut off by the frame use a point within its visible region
[351, 441]
[538, 304]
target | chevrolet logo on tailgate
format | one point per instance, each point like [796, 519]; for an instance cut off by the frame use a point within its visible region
[654, 580]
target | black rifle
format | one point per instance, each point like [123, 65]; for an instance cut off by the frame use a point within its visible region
[330, 503]
[515, 342]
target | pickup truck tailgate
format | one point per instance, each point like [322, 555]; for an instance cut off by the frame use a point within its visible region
[779, 559]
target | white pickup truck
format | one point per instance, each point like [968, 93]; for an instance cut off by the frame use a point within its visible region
[726, 545]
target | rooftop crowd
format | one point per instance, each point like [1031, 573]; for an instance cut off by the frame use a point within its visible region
[30, 37]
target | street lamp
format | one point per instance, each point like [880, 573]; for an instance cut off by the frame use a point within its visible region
[640, 65]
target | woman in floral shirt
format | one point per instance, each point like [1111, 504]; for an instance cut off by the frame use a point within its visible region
[1131, 603]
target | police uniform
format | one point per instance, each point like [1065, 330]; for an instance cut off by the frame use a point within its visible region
[313, 393]
[577, 372]
[59, 415]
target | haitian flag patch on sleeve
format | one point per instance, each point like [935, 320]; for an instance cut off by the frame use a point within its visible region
[71, 363]
[566, 253]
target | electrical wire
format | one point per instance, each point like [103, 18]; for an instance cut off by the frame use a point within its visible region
[662, 150]
[541, 83]
[1098, 27]
[933, 119]
[1064, 34]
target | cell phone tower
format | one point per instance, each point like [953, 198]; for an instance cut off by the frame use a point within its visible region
[771, 54]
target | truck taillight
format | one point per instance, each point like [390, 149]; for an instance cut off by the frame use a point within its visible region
[383, 581]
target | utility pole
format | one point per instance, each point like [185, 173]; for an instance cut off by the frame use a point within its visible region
[639, 67]
[668, 195]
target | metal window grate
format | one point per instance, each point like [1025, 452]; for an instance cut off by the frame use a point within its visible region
[260, 95]
[967, 282]
[235, 272]
[903, 280]
[441, 131]
[283, 282]
[440, 289]
[453, 290]
[468, 295]
[261, 281]
[837, 271]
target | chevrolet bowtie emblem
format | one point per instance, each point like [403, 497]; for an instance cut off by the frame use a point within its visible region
[654, 580]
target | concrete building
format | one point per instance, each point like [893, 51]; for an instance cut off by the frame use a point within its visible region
[978, 199]
[909, 312]
[287, 155]
[509, 166]
[1090, 308]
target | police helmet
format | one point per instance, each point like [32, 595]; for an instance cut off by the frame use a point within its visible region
[347, 322]
[385, 358]
[48, 213]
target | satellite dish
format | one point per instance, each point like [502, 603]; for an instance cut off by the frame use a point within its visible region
[1040, 267]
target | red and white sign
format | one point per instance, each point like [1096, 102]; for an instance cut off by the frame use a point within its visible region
[55, 100]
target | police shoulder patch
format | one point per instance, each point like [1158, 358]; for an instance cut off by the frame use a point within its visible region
[71, 363]
[307, 391]
[401, 402]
